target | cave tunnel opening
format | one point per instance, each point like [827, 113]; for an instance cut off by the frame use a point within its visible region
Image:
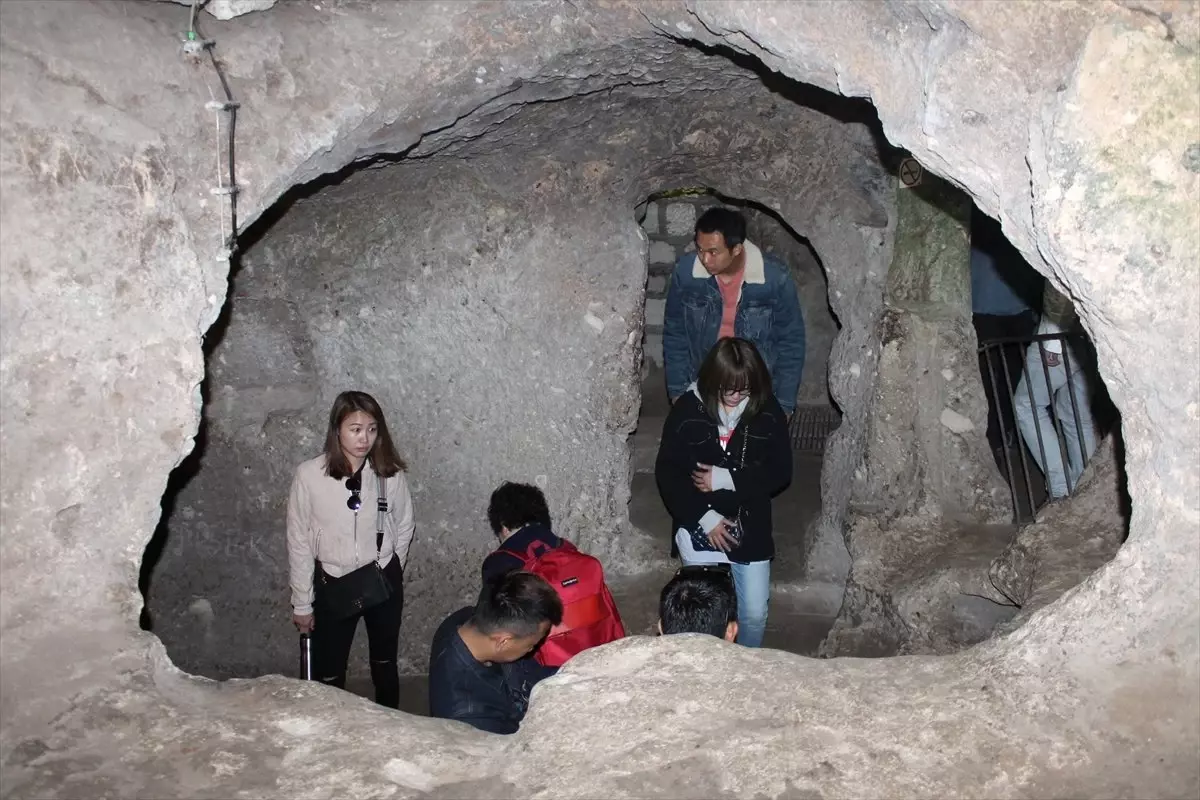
[799, 616]
[445, 276]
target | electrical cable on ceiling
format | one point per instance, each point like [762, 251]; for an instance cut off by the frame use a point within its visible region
[194, 45]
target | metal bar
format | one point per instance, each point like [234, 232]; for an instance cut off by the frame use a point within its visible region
[1054, 420]
[1012, 489]
[1033, 405]
[1083, 453]
[1041, 337]
[1012, 393]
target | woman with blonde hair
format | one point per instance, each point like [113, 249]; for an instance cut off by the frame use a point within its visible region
[349, 527]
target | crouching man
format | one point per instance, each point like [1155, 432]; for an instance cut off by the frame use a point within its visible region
[472, 677]
[700, 599]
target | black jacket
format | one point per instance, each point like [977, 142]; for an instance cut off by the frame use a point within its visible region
[690, 437]
[490, 697]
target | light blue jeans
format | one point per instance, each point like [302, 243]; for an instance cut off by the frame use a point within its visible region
[753, 585]
[1034, 417]
[752, 582]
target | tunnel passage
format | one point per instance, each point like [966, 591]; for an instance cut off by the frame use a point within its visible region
[802, 610]
[494, 259]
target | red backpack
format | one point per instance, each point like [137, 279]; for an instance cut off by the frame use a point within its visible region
[590, 616]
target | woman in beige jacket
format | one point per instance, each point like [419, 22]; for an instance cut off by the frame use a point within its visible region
[334, 523]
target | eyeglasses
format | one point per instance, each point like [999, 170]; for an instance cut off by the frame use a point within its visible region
[354, 484]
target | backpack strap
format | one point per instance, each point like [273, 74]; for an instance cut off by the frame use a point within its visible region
[535, 551]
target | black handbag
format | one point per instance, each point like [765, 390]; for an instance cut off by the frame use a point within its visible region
[355, 592]
[700, 540]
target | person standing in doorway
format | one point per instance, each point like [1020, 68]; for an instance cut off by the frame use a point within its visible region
[730, 288]
[725, 453]
[1055, 394]
[1004, 293]
[349, 527]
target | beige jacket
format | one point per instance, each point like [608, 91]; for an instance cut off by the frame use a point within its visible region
[321, 526]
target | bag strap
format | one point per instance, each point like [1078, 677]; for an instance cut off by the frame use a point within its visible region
[382, 506]
[536, 551]
[745, 441]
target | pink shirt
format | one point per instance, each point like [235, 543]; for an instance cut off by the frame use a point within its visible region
[730, 292]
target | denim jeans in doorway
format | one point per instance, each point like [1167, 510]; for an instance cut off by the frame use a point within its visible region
[753, 585]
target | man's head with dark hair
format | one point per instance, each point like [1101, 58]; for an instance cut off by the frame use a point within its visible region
[720, 240]
[515, 505]
[725, 221]
[699, 600]
[514, 613]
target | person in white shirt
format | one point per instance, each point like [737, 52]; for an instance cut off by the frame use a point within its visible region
[1053, 395]
[349, 527]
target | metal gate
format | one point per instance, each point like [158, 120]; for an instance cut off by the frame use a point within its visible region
[811, 426]
[1043, 409]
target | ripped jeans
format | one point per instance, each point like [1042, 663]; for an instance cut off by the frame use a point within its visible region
[331, 641]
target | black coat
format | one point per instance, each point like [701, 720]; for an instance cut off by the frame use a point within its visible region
[690, 437]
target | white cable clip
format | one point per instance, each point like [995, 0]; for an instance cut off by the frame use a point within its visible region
[195, 47]
[218, 105]
[224, 190]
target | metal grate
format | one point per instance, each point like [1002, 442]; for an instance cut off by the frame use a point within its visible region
[1014, 369]
[811, 426]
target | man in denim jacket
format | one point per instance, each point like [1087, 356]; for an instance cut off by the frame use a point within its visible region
[731, 288]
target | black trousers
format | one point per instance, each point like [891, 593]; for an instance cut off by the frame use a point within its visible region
[331, 641]
[1007, 356]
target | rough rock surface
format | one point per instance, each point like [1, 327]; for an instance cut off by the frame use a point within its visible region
[228, 9]
[1052, 116]
[918, 588]
[918, 531]
[927, 455]
[1069, 541]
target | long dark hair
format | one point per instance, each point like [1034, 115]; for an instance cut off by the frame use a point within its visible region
[384, 458]
[734, 364]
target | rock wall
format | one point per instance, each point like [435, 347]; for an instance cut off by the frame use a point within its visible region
[927, 457]
[1069, 541]
[1051, 116]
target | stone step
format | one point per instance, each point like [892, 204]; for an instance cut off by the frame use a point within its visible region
[656, 284]
[655, 311]
[938, 599]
